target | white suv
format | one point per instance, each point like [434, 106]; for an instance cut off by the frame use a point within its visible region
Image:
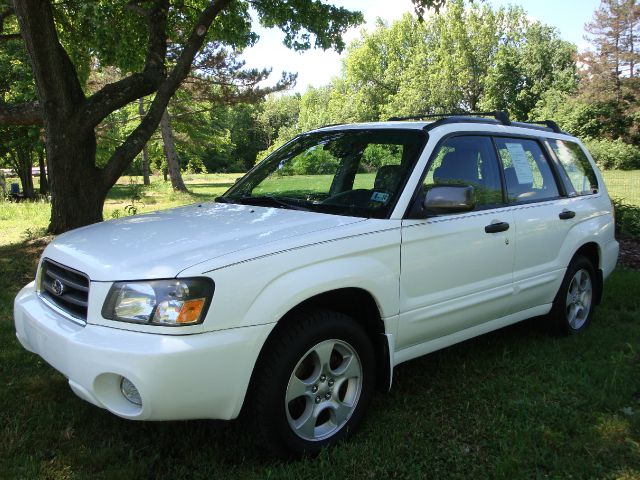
[350, 250]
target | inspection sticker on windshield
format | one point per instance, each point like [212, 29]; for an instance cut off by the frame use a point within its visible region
[520, 163]
[379, 197]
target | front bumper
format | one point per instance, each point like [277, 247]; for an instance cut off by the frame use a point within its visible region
[179, 377]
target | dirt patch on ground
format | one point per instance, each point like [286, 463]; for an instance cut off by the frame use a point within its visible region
[629, 253]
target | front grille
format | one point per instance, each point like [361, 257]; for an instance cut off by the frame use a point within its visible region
[66, 288]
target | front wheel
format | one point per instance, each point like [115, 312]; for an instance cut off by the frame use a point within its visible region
[574, 304]
[314, 383]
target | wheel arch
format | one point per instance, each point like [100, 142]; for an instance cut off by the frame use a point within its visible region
[354, 302]
[592, 252]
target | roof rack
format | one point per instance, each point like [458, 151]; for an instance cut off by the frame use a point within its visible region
[329, 125]
[499, 118]
[546, 123]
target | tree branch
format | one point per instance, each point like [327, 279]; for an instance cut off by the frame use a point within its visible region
[20, 114]
[118, 94]
[56, 78]
[9, 36]
[123, 155]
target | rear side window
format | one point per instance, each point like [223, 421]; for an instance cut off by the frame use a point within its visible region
[468, 160]
[527, 173]
[576, 165]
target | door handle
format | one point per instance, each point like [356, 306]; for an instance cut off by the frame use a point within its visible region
[566, 214]
[496, 227]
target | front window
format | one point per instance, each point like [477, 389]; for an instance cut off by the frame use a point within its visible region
[348, 172]
[467, 160]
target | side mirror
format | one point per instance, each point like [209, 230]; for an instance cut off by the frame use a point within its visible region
[449, 199]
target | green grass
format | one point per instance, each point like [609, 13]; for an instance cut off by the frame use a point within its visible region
[623, 185]
[512, 404]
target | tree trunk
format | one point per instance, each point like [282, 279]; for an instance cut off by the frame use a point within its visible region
[79, 187]
[145, 152]
[73, 205]
[44, 183]
[170, 153]
[24, 171]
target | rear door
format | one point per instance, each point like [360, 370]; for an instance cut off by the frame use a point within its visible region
[456, 269]
[542, 221]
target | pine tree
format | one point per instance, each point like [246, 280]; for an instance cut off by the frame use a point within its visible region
[612, 67]
[614, 33]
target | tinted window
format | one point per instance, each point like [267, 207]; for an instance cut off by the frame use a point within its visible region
[576, 165]
[468, 161]
[526, 170]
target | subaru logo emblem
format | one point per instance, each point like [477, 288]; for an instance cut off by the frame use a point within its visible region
[58, 287]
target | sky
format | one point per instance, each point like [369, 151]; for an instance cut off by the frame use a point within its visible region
[317, 67]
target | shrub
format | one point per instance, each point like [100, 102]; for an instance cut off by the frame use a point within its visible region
[627, 219]
[315, 161]
[614, 154]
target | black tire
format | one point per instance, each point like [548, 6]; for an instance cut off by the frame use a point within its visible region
[292, 348]
[561, 321]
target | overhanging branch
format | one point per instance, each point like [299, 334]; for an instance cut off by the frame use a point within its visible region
[9, 36]
[118, 94]
[123, 155]
[20, 114]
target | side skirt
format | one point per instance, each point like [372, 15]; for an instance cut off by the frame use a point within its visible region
[409, 353]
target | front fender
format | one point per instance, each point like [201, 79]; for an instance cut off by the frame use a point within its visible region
[262, 290]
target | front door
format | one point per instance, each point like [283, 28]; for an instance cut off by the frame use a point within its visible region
[456, 269]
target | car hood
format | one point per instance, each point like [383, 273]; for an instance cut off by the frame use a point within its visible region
[163, 243]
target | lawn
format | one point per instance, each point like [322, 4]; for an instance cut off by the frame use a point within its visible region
[512, 404]
[624, 185]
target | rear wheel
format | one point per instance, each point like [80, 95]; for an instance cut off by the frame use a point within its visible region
[314, 383]
[574, 304]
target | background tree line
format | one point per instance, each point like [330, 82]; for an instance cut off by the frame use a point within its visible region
[192, 105]
[474, 57]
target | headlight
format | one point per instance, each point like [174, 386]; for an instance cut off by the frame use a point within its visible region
[179, 301]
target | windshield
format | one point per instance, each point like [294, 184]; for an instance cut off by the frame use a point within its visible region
[347, 172]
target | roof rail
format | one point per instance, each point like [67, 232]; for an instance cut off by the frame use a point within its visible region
[546, 123]
[501, 116]
[329, 125]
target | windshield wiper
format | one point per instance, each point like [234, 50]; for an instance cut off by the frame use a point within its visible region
[270, 199]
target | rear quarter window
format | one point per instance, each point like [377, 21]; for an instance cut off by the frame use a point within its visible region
[576, 166]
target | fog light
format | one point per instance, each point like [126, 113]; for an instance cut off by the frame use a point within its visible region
[130, 391]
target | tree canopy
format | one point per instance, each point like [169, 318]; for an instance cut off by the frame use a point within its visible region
[157, 43]
[470, 57]
[91, 81]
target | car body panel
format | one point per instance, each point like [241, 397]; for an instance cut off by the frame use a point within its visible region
[161, 244]
[468, 281]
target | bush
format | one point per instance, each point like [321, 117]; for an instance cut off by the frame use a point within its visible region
[614, 154]
[315, 161]
[627, 219]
